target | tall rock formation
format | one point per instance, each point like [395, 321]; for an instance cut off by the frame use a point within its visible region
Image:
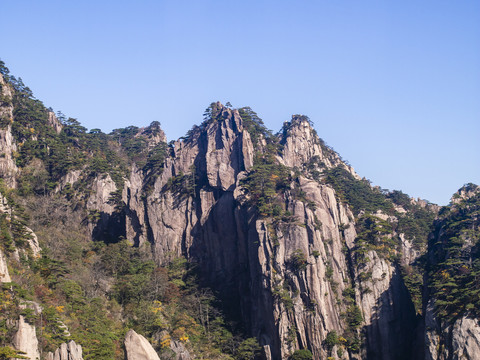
[278, 225]
[452, 329]
[70, 351]
[4, 275]
[288, 272]
[8, 146]
[25, 339]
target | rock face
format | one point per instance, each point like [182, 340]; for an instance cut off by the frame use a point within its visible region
[138, 348]
[25, 339]
[250, 257]
[101, 208]
[458, 341]
[466, 338]
[31, 237]
[285, 274]
[33, 243]
[302, 145]
[54, 123]
[180, 352]
[4, 275]
[70, 351]
[387, 309]
[8, 167]
[285, 277]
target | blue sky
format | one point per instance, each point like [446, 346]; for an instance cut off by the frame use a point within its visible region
[393, 86]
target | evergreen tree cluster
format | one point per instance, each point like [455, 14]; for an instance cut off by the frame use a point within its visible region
[454, 269]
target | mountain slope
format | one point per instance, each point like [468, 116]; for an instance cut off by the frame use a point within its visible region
[231, 242]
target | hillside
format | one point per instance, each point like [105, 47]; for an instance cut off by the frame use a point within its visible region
[230, 243]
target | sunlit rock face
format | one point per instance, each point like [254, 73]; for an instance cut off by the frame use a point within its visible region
[66, 351]
[291, 275]
[197, 208]
[8, 146]
[138, 348]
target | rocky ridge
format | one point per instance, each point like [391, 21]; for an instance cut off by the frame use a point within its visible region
[295, 271]
[8, 146]
[303, 271]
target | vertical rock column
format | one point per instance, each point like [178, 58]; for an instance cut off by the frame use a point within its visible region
[26, 339]
[4, 275]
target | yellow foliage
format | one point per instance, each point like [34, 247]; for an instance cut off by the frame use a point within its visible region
[60, 308]
[32, 130]
[180, 333]
[342, 340]
[165, 343]
[184, 338]
[157, 306]
[445, 274]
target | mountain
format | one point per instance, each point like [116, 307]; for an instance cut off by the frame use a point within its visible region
[229, 243]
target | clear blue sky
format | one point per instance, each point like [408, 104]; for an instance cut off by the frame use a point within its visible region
[393, 86]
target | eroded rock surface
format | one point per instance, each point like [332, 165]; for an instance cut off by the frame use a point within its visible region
[138, 348]
[25, 339]
[286, 278]
[70, 351]
[8, 167]
[4, 275]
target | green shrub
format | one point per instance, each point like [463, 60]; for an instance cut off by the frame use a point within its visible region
[302, 354]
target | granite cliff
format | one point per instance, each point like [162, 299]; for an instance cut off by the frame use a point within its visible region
[298, 249]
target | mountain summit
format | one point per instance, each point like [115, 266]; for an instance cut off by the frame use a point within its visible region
[229, 243]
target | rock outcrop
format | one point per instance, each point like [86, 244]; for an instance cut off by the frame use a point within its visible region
[181, 353]
[8, 167]
[25, 339]
[138, 348]
[387, 309]
[292, 275]
[70, 351]
[4, 275]
[54, 123]
[28, 234]
[286, 277]
[460, 340]
[301, 146]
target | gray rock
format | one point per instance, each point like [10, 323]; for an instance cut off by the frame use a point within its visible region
[466, 339]
[249, 259]
[181, 353]
[4, 275]
[25, 339]
[8, 166]
[70, 351]
[54, 123]
[138, 348]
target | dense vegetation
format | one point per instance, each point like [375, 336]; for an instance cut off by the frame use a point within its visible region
[454, 270]
[100, 291]
[47, 155]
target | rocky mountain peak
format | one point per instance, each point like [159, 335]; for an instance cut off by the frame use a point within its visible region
[304, 149]
[465, 192]
[153, 134]
[302, 254]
